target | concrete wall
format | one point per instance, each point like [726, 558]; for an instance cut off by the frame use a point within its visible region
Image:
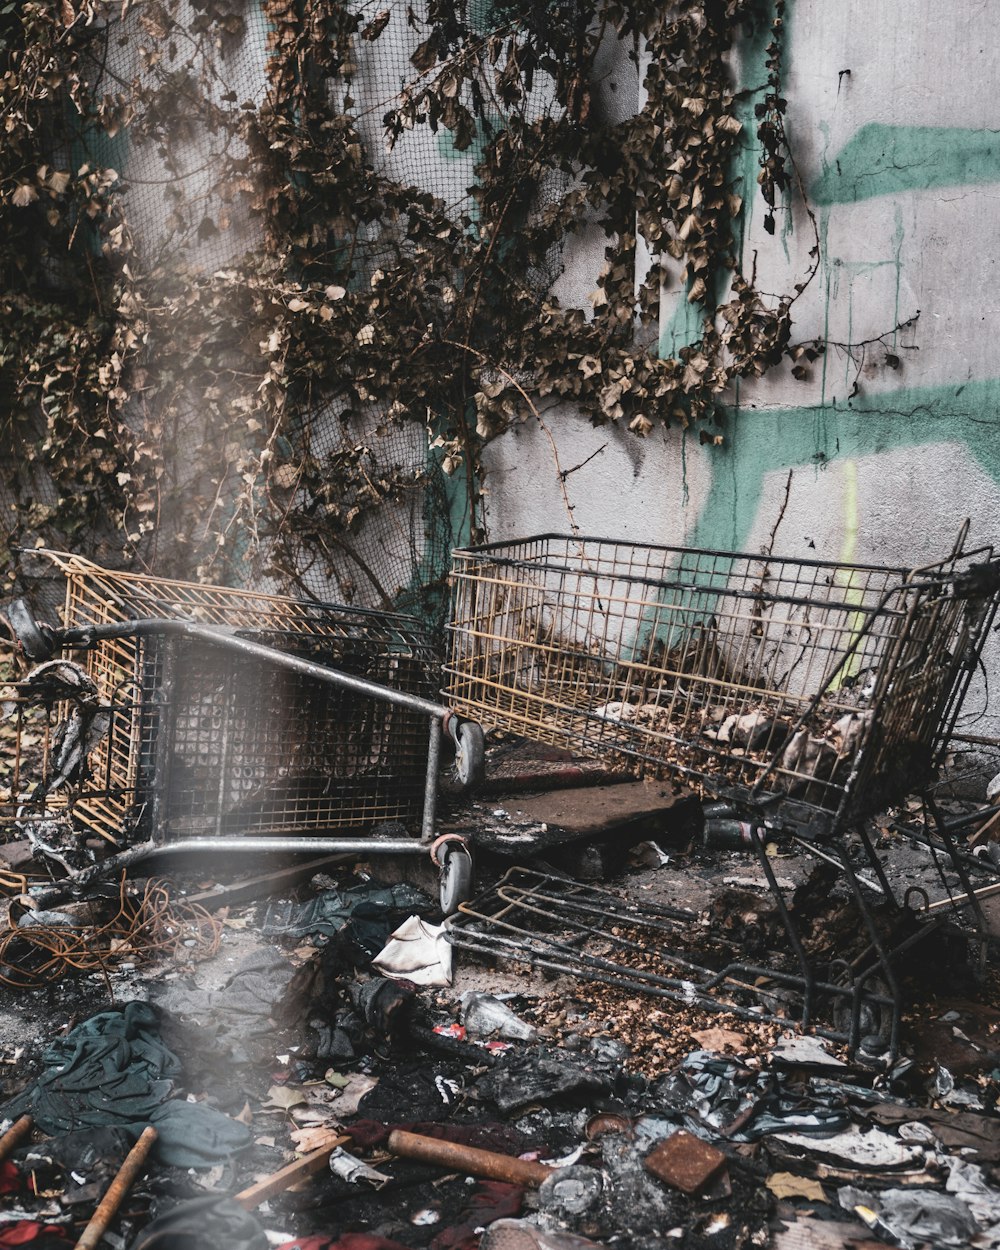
[896, 130]
[900, 157]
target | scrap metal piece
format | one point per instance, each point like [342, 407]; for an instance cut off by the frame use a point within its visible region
[686, 1162]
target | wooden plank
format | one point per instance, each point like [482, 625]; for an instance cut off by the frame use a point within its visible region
[989, 831]
[807, 1234]
[286, 1177]
[252, 888]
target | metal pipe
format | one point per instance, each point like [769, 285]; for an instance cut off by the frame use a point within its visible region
[119, 1187]
[468, 1159]
[353, 846]
[87, 635]
[48, 896]
[12, 1138]
[430, 781]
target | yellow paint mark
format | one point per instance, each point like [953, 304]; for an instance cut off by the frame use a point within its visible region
[848, 552]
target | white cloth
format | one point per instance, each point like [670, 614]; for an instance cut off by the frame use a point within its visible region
[417, 952]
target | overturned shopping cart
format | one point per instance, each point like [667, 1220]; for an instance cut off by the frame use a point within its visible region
[805, 694]
[203, 718]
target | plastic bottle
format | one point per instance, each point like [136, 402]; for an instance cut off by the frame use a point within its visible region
[483, 1015]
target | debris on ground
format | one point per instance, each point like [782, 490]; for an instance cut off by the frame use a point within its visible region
[302, 1098]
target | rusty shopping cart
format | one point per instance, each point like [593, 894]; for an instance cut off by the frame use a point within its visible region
[205, 718]
[805, 695]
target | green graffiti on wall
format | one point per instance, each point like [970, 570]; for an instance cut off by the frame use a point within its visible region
[763, 442]
[888, 160]
[878, 160]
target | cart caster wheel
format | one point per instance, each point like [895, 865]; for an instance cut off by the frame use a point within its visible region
[470, 753]
[455, 878]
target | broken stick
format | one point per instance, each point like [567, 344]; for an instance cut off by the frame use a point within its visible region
[117, 1190]
[468, 1159]
[18, 1130]
[288, 1176]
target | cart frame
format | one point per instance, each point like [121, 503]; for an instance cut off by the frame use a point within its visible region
[118, 647]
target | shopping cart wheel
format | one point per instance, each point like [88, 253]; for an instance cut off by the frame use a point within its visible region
[455, 878]
[470, 752]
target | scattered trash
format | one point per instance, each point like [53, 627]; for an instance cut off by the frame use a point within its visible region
[686, 1162]
[354, 1171]
[788, 1185]
[483, 1015]
[805, 1052]
[866, 1149]
[417, 952]
[582, 1089]
[571, 1194]
[912, 1217]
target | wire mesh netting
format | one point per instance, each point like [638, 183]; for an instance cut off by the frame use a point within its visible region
[352, 503]
[831, 686]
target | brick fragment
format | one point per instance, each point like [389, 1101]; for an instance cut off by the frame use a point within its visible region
[686, 1162]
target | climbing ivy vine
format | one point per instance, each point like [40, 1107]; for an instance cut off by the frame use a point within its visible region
[143, 395]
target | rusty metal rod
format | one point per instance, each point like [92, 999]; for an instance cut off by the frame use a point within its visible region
[468, 1159]
[18, 1130]
[108, 1206]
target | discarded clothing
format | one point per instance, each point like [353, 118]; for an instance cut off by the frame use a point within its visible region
[114, 1070]
[491, 1200]
[715, 1093]
[244, 1008]
[30, 1233]
[417, 952]
[387, 1008]
[203, 1224]
[330, 911]
[10, 1178]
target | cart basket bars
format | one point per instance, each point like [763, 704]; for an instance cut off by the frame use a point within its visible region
[829, 686]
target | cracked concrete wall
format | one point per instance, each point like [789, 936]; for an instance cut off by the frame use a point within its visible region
[895, 127]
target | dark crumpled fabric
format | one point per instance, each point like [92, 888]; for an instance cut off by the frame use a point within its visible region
[712, 1092]
[330, 911]
[244, 1009]
[491, 1200]
[114, 1070]
[208, 1223]
[541, 1075]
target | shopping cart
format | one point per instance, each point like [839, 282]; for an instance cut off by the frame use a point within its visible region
[209, 719]
[806, 695]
